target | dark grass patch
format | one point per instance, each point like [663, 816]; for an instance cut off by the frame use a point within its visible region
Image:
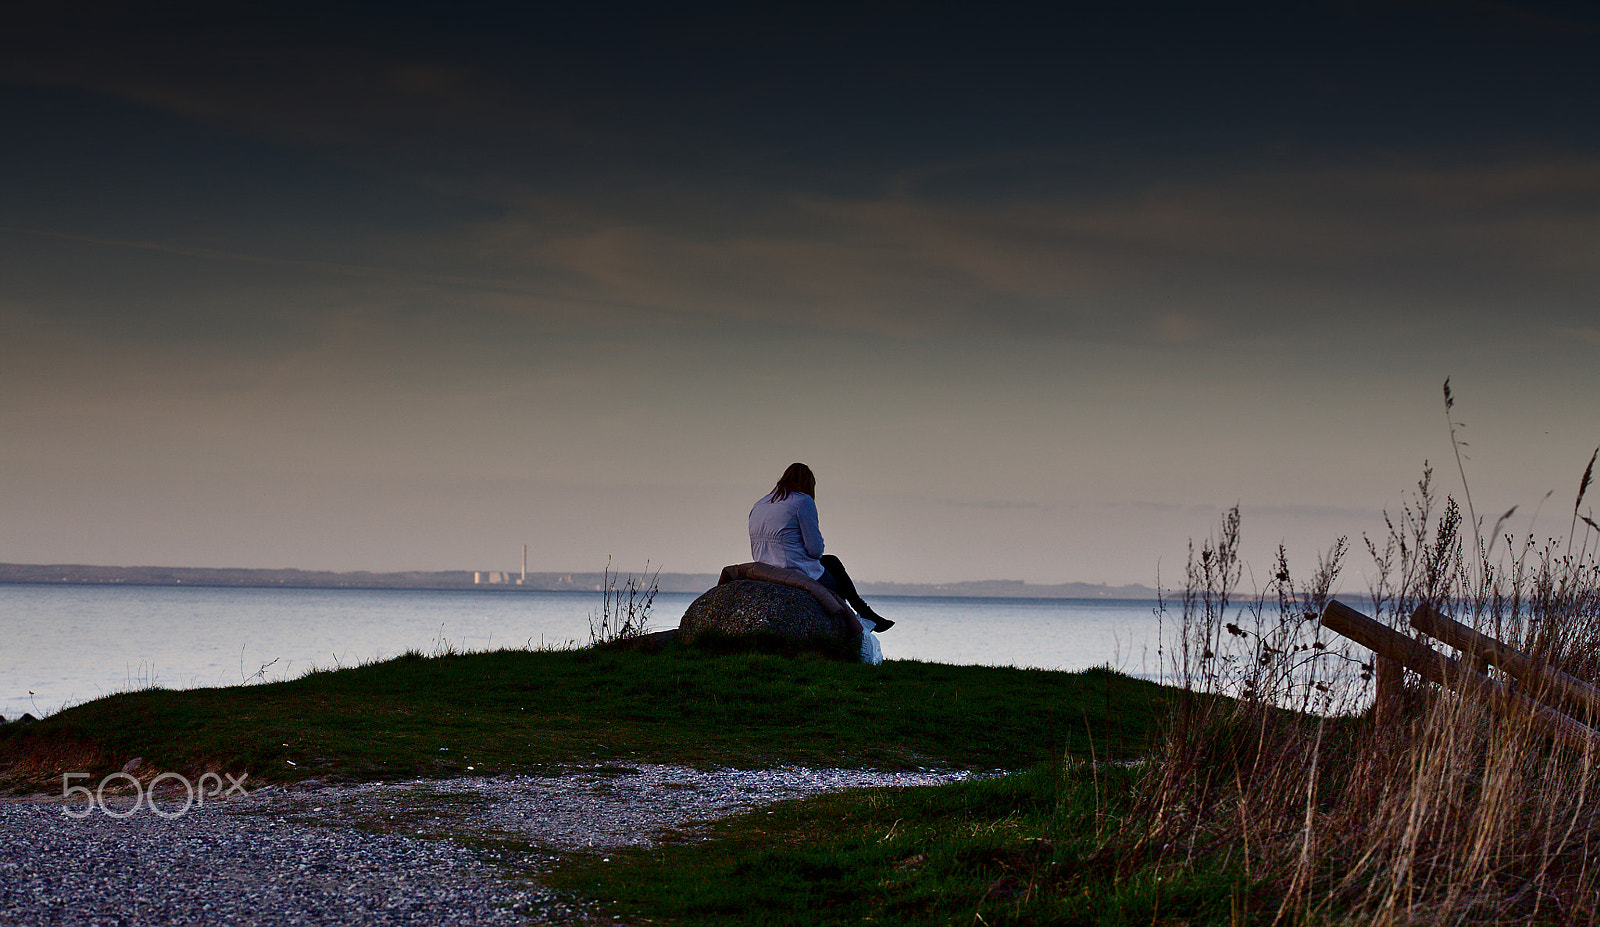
[529, 711]
[767, 642]
[1039, 847]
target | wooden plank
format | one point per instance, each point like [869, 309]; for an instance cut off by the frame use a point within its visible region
[1451, 673]
[1388, 691]
[1539, 680]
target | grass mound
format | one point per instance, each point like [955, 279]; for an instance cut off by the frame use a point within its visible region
[513, 711]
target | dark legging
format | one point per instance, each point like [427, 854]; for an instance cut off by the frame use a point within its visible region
[835, 578]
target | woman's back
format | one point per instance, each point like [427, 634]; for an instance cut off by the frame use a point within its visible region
[784, 533]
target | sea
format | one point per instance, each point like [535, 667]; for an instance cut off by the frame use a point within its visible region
[61, 645]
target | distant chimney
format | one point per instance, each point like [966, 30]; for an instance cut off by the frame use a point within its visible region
[524, 578]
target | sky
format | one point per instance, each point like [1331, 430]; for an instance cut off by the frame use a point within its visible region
[1039, 292]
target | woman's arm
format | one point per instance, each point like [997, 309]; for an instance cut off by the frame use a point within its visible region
[810, 531]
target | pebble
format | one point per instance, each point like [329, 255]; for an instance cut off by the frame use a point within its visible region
[425, 852]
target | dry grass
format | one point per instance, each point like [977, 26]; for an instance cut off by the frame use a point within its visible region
[1454, 809]
[42, 764]
[624, 607]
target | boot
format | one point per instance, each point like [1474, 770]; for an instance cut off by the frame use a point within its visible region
[879, 623]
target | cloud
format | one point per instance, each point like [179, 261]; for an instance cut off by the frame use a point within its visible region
[1590, 335]
[316, 83]
[1177, 328]
[1003, 505]
[392, 274]
[1517, 15]
[1173, 262]
[646, 220]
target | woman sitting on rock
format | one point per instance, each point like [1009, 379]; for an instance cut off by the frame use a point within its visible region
[784, 533]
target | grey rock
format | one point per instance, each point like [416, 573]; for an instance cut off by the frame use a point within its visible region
[749, 607]
[133, 764]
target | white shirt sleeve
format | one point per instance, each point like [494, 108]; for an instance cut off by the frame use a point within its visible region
[810, 530]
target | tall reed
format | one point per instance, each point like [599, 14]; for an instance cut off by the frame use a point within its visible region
[625, 604]
[1452, 809]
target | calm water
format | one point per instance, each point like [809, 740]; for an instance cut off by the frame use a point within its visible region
[69, 644]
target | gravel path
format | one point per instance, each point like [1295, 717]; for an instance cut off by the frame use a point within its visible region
[427, 852]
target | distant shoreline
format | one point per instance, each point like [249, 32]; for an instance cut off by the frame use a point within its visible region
[506, 581]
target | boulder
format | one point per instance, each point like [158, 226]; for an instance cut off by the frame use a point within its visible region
[750, 607]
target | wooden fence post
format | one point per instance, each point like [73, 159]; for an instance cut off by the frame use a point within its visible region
[1538, 680]
[1388, 691]
[1451, 673]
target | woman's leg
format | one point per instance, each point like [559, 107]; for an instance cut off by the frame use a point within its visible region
[835, 578]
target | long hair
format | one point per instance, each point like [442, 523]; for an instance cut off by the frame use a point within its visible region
[798, 478]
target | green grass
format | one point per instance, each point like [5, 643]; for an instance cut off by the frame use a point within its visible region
[520, 711]
[1043, 846]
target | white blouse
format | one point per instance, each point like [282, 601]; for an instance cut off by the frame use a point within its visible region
[785, 534]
